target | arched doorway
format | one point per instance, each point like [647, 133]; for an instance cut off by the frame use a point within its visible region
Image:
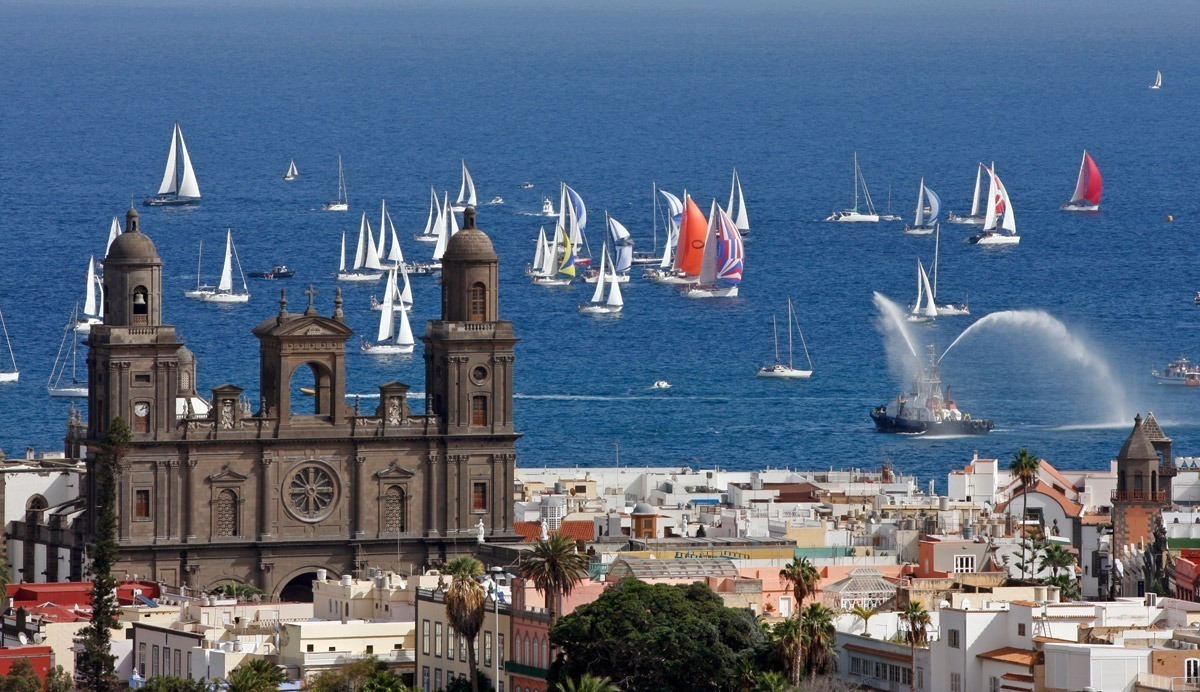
[299, 589]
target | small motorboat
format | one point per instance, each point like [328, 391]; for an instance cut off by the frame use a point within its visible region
[497, 200]
[526, 186]
[661, 384]
[279, 271]
[1181, 372]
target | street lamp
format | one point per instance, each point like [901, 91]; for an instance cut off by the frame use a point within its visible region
[494, 594]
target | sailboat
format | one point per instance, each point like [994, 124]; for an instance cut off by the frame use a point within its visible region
[853, 215]
[974, 218]
[292, 172]
[446, 228]
[788, 371]
[622, 256]
[723, 261]
[1089, 187]
[598, 305]
[429, 235]
[173, 190]
[67, 350]
[201, 290]
[366, 259]
[740, 218]
[539, 254]
[924, 224]
[888, 215]
[666, 263]
[466, 191]
[93, 306]
[401, 297]
[555, 272]
[114, 230]
[1157, 80]
[13, 374]
[681, 262]
[385, 342]
[342, 203]
[392, 255]
[572, 216]
[946, 309]
[924, 309]
[651, 257]
[548, 207]
[224, 292]
[1000, 225]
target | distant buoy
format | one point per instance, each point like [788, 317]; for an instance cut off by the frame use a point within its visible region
[1170, 218]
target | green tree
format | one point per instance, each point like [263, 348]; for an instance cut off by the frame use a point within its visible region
[349, 677]
[657, 637]
[1055, 558]
[384, 681]
[785, 635]
[95, 666]
[465, 602]
[463, 684]
[773, 681]
[819, 636]
[254, 675]
[1068, 587]
[586, 683]
[916, 621]
[805, 579]
[865, 614]
[555, 567]
[57, 680]
[21, 678]
[170, 683]
[1025, 467]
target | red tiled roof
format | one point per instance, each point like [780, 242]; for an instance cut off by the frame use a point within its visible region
[529, 531]
[1017, 677]
[1072, 509]
[57, 613]
[578, 530]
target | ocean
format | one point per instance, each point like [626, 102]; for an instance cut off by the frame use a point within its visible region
[612, 98]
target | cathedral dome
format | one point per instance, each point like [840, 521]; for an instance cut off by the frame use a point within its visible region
[470, 243]
[133, 246]
[185, 355]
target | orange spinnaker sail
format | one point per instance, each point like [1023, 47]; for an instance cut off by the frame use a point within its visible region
[693, 232]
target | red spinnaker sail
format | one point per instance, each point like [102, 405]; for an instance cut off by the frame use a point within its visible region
[693, 231]
[1095, 183]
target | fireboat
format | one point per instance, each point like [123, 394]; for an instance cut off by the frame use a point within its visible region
[927, 411]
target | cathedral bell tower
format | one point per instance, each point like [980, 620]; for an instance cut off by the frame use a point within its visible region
[469, 351]
[133, 358]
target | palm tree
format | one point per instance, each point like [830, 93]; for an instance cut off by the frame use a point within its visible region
[772, 681]
[555, 567]
[786, 637]
[917, 618]
[465, 602]
[1025, 467]
[587, 683]
[819, 636]
[255, 675]
[865, 614]
[1056, 558]
[804, 578]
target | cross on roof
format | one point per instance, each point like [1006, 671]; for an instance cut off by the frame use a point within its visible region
[312, 294]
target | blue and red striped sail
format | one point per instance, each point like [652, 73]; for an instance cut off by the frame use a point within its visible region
[731, 253]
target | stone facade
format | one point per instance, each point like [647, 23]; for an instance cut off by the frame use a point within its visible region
[216, 491]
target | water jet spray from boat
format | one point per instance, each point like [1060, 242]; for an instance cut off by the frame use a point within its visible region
[893, 321]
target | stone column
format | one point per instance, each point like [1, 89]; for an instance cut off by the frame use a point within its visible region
[267, 481]
[431, 494]
[177, 509]
[161, 501]
[189, 506]
[358, 496]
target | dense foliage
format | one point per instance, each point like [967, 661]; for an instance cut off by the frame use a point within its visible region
[657, 637]
[364, 675]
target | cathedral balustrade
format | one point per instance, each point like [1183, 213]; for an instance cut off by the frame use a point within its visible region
[1139, 496]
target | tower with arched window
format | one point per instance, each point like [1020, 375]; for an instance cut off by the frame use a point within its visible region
[1144, 473]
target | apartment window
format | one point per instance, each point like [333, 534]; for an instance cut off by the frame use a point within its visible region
[906, 676]
[462, 648]
[437, 679]
[450, 645]
[920, 678]
[487, 649]
[141, 504]
[309, 648]
[1020, 629]
[964, 564]
[425, 637]
[855, 665]
[502, 653]
[479, 497]
[1191, 670]
[142, 660]
[993, 684]
[154, 661]
[425, 678]
[437, 640]
[177, 669]
[370, 648]
[953, 639]
[479, 410]
[166, 661]
[956, 682]
[189, 664]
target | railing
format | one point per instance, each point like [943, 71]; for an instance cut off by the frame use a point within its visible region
[1139, 496]
[874, 683]
[1169, 684]
[337, 658]
[527, 671]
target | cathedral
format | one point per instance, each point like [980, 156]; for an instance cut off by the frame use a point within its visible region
[215, 492]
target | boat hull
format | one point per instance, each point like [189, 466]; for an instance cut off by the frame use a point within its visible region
[358, 276]
[966, 220]
[919, 230]
[621, 278]
[169, 201]
[994, 239]
[599, 309]
[642, 260]
[85, 326]
[227, 298]
[378, 307]
[711, 291]
[850, 216]
[422, 238]
[10, 376]
[386, 349]
[1080, 207]
[668, 279]
[1192, 381]
[550, 281]
[894, 424]
[199, 293]
[68, 392]
[952, 310]
[783, 372]
[336, 206]
[290, 177]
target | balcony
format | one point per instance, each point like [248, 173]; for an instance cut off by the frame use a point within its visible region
[527, 671]
[338, 658]
[1148, 681]
[1139, 496]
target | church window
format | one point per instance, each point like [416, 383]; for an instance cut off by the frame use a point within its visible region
[393, 509]
[227, 513]
[34, 508]
[311, 493]
[478, 302]
[479, 410]
[141, 503]
[141, 302]
[479, 497]
[141, 378]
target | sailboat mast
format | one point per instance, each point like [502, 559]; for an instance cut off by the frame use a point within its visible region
[775, 331]
[937, 237]
[654, 213]
[12, 358]
[199, 256]
[790, 365]
[856, 181]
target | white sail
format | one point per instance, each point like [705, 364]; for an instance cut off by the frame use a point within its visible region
[381, 246]
[406, 297]
[674, 209]
[364, 239]
[564, 210]
[550, 260]
[578, 215]
[170, 179]
[395, 254]
[975, 199]
[114, 230]
[1010, 218]
[404, 335]
[622, 246]
[708, 264]
[741, 220]
[930, 308]
[291, 171]
[188, 187]
[614, 291]
[372, 259]
[226, 283]
[443, 235]
[466, 193]
[916, 308]
[342, 262]
[541, 249]
[598, 294]
[434, 213]
[1081, 182]
[989, 223]
[385, 315]
[451, 219]
[920, 218]
[89, 303]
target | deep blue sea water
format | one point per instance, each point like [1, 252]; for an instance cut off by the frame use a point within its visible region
[610, 97]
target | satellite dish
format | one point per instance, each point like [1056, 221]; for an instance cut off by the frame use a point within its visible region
[23, 638]
[37, 637]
